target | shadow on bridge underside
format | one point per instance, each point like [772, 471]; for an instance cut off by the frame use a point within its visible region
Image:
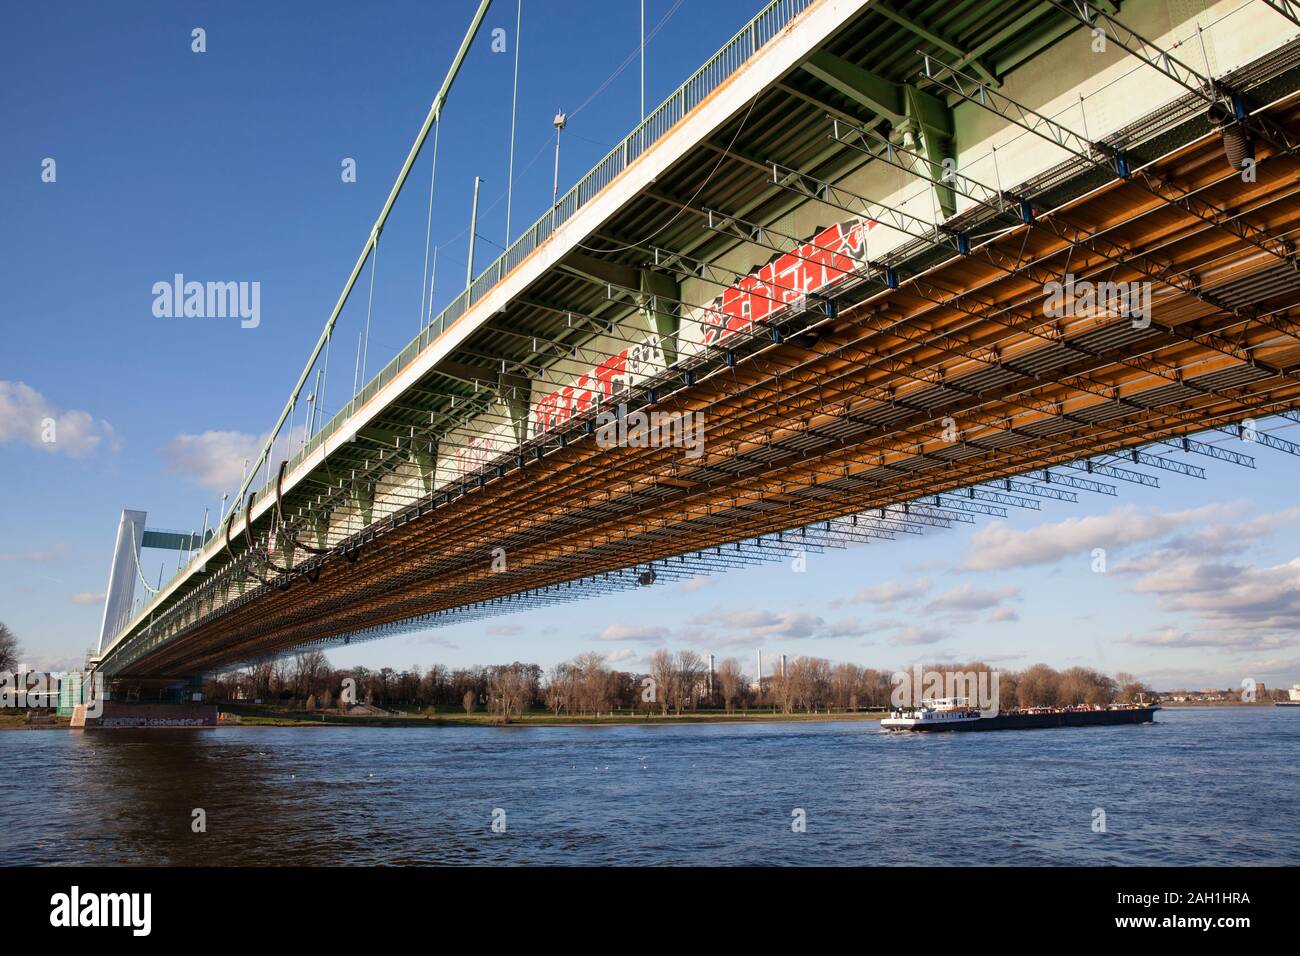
[914, 393]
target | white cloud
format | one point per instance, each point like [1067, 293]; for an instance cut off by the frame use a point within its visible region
[88, 597]
[889, 593]
[853, 627]
[998, 546]
[1174, 638]
[1216, 540]
[29, 417]
[757, 623]
[966, 598]
[214, 460]
[920, 635]
[1239, 606]
[620, 655]
[625, 632]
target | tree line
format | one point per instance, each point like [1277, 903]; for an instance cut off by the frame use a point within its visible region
[675, 683]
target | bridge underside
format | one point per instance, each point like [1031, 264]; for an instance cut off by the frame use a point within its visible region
[935, 372]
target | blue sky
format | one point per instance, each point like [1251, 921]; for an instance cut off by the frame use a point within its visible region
[226, 165]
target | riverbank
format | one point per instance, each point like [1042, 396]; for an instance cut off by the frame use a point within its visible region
[265, 718]
[253, 716]
[1175, 704]
[17, 720]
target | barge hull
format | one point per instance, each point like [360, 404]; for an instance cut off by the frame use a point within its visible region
[1080, 718]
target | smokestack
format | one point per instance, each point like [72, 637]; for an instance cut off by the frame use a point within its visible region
[710, 677]
[782, 665]
[758, 676]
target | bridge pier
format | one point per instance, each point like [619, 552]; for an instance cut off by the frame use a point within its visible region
[149, 702]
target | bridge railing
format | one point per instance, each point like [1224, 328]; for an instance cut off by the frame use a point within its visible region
[770, 21]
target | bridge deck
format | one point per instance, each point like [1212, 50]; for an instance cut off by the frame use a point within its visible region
[830, 407]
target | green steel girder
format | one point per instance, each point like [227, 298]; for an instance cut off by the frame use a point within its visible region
[918, 118]
[938, 40]
[516, 392]
[601, 270]
[464, 371]
[649, 282]
[174, 540]
[655, 286]
[1035, 40]
[880, 96]
[363, 496]
[426, 461]
[322, 529]
[381, 436]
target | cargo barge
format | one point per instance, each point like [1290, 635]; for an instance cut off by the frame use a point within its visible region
[955, 714]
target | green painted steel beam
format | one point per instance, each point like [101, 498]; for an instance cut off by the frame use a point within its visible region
[664, 322]
[941, 42]
[516, 393]
[601, 270]
[1040, 39]
[381, 436]
[465, 371]
[918, 118]
[865, 88]
[173, 540]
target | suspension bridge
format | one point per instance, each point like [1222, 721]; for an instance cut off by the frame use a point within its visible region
[912, 264]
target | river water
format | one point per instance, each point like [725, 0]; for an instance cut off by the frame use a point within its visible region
[1200, 786]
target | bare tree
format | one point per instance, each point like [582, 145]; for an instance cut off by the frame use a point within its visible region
[510, 690]
[259, 677]
[559, 691]
[9, 650]
[689, 686]
[309, 668]
[594, 684]
[1130, 689]
[780, 689]
[730, 681]
[848, 686]
[1037, 687]
[280, 680]
[436, 685]
[663, 671]
[468, 701]
[808, 682]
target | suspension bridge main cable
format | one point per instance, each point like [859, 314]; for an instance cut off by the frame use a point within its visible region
[435, 111]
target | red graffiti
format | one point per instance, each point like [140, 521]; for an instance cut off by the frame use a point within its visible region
[826, 259]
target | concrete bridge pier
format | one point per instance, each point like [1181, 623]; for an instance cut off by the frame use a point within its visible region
[149, 702]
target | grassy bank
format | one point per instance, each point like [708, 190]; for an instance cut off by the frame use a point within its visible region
[16, 719]
[253, 716]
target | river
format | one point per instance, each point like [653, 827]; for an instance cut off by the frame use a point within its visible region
[1200, 786]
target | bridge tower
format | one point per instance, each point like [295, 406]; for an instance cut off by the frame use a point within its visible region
[122, 576]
